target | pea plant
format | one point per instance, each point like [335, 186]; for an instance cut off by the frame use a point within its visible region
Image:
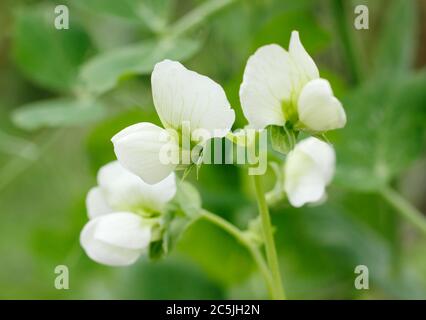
[133, 208]
[213, 115]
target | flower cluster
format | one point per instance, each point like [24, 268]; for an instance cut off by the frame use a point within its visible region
[280, 88]
[124, 212]
[187, 103]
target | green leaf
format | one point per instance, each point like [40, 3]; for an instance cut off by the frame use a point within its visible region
[152, 13]
[57, 113]
[384, 134]
[48, 56]
[397, 43]
[123, 9]
[104, 71]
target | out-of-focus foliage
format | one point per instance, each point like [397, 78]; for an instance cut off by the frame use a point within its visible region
[65, 93]
[49, 58]
[104, 71]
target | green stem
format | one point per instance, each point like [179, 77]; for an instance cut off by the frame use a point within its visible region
[197, 16]
[339, 14]
[270, 249]
[239, 236]
[406, 209]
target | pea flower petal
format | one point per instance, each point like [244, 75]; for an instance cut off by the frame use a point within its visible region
[307, 69]
[96, 203]
[181, 95]
[126, 191]
[266, 84]
[139, 149]
[318, 109]
[309, 168]
[115, 239]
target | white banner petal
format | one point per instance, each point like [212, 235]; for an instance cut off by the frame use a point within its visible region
[305, 64]
[267, 83]
[181, 95]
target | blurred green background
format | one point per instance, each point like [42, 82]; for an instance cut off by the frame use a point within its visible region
[65, 93]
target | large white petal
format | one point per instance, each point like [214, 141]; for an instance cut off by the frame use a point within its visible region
[305, 64]
[96, 203]
[124, 230]
[267, 83]
[147, 150]
[318, 109]
[103, 252]
[126, 191]
[181, 95]
[308, 169]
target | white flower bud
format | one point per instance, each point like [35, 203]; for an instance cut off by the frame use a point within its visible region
[309, 168]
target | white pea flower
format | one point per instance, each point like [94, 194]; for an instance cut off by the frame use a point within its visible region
[308, 169]
[184, 101]
[123, 210]
[116, 239]
[280, 86]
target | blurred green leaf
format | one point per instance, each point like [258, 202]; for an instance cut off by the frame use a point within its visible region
[169, 279]
[18, 146]
[218, 253]
[320, 248]
[396, 46]
[153, 13]
[57, 113]
[104, 71]
[384, 134]
[279, 28]
[48, 56]
[123, 9]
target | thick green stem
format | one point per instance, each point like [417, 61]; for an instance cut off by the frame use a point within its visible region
[406, 209]
[239, 236]
[348, 46]
[270, 249]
